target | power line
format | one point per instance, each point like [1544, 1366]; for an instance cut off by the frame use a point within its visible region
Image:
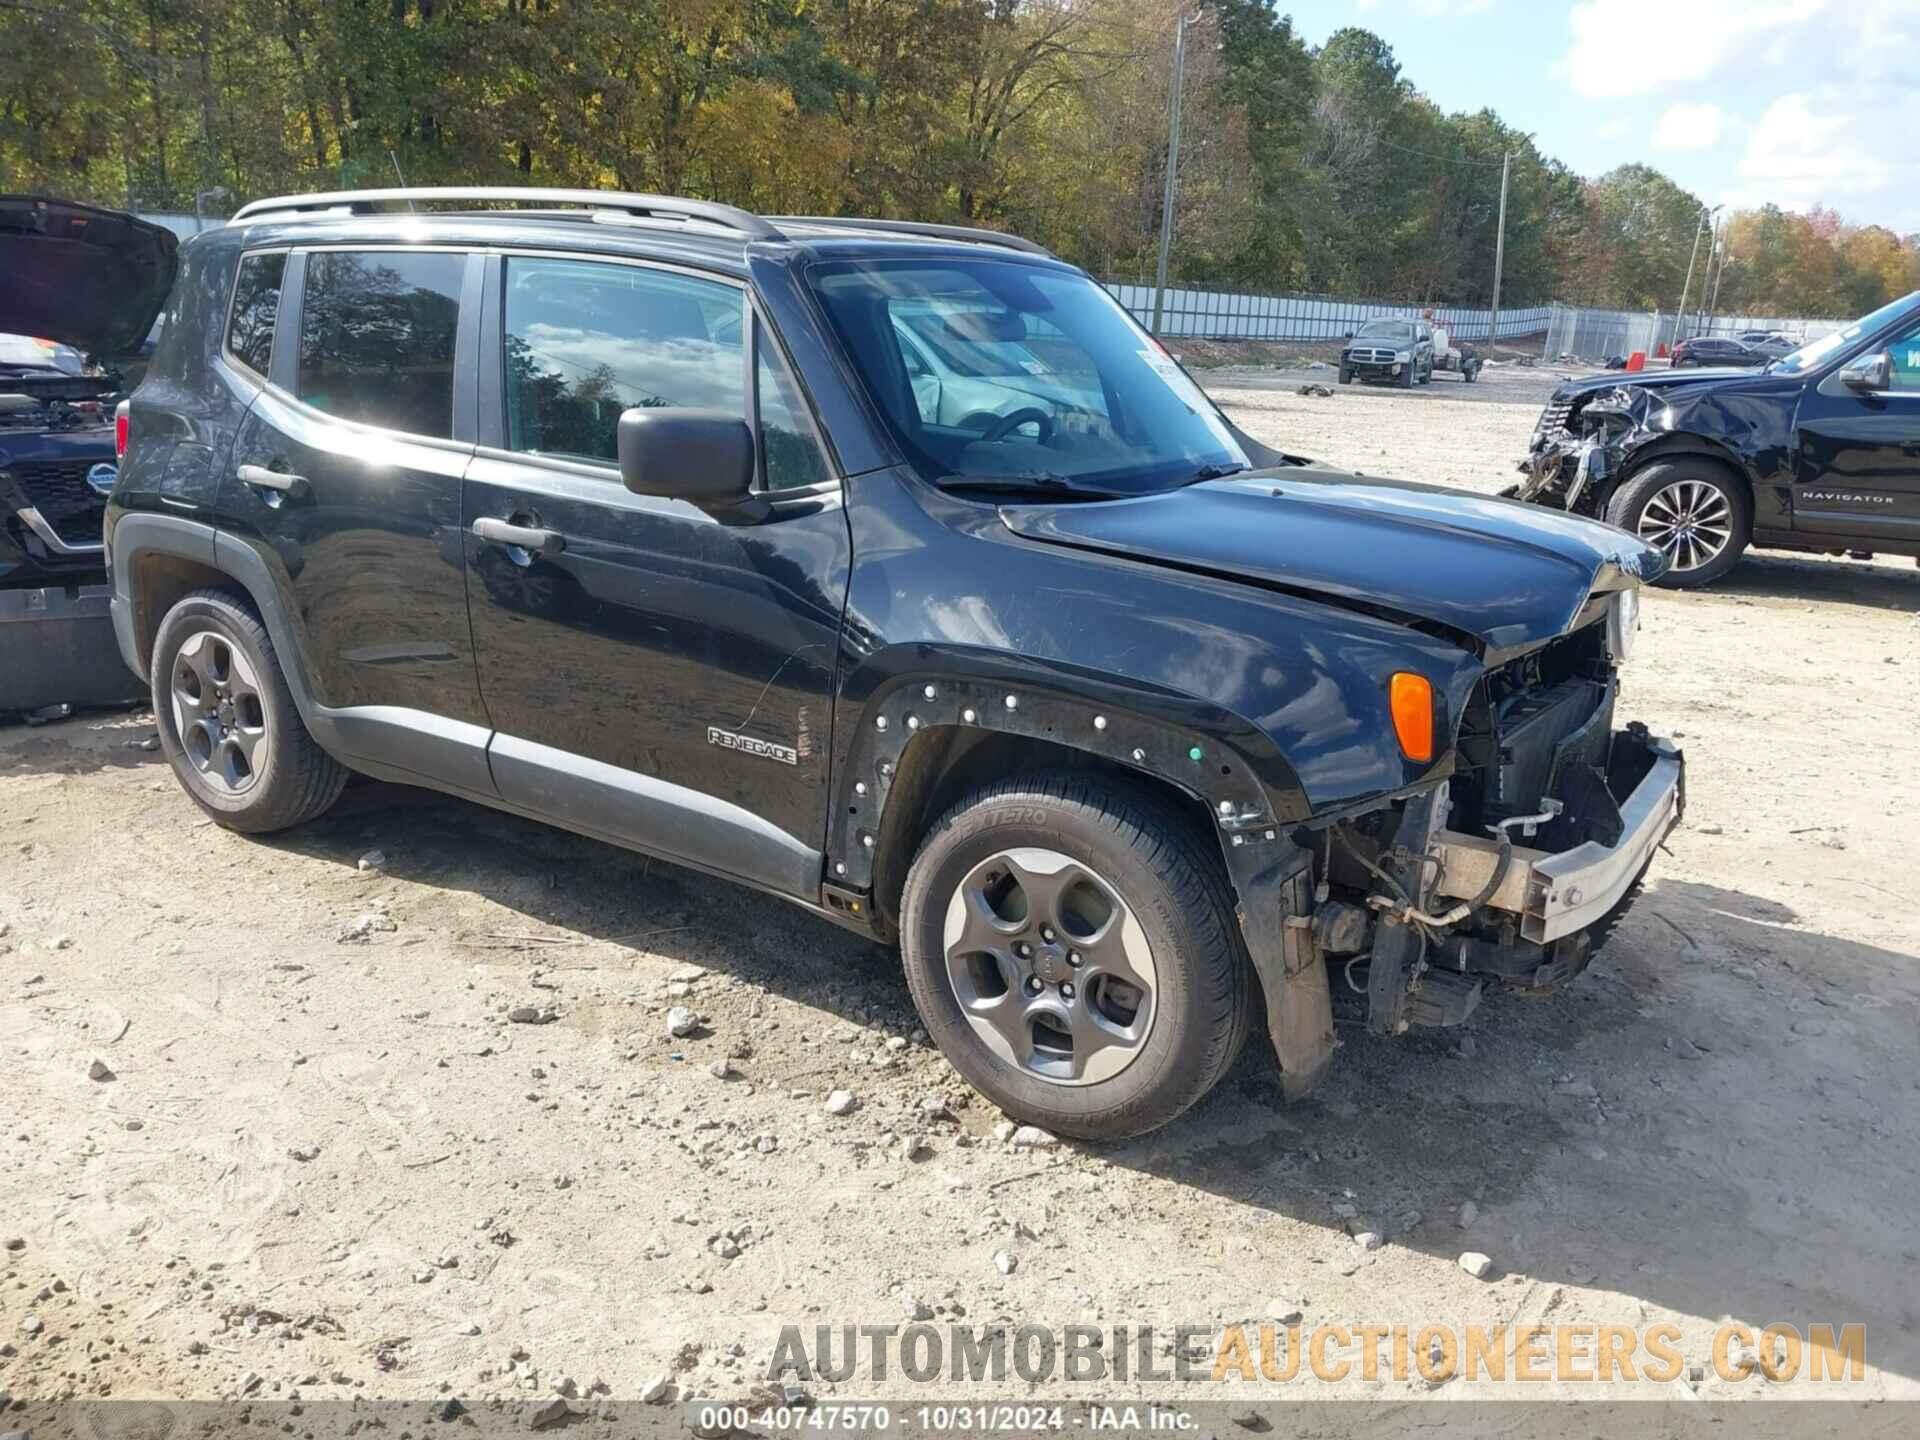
[1442, 159]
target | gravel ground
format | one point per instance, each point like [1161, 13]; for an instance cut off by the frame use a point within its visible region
[412, 1122]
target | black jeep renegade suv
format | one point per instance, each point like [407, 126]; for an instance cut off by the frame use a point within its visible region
[895, 570]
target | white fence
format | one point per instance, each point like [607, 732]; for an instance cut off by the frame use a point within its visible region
[1234, 315]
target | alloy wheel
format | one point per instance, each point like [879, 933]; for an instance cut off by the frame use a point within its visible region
[218, 712]
[1050, 967]
[1690, 520]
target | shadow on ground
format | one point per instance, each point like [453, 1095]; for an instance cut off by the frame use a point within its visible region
[1791, 579]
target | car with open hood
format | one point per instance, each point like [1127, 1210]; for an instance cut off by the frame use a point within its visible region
[637, 515]
[1816, 451]
[79, 290]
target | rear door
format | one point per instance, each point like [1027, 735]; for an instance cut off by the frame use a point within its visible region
[655, 677]
[1857, 464]
[345, 481]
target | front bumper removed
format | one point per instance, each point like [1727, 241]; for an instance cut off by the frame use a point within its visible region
[1557, 895]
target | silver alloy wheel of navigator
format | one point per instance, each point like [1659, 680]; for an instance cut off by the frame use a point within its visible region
[1050, 967]
[218, 712]
[1690, 520]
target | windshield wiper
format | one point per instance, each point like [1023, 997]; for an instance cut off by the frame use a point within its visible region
[1049, 485]
[1215, 472]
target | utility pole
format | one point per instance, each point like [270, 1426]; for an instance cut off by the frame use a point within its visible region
[1499, 255]
[1703, 223]
[1680, 315]
[1173, 165]
[1713, 306]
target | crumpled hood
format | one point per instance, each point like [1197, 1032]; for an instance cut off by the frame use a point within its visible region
[1511, 576]
[1669, 380]
[90, 278]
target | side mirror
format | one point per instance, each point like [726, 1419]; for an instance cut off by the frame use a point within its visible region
[1349, 335]
[1869, 372]
[705, 457]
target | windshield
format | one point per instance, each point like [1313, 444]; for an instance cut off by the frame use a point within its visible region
[1385, 330]
[999, 372]
[1814, 353]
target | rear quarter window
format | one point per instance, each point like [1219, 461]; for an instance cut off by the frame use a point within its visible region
[256, 309]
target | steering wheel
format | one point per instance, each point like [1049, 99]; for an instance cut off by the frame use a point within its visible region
[1007, 424]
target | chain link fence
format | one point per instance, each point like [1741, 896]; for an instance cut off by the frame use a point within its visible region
[1596, 336]
[1241, 315]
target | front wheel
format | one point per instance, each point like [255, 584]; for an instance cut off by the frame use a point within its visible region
[1346, 376]
[1696, 513]
[228, 725]
[1071, 947]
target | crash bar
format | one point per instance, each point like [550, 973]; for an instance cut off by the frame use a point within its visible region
[363, 201]
[918, 227]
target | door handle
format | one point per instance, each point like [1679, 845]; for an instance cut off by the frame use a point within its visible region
[504, 532]
[269, 479]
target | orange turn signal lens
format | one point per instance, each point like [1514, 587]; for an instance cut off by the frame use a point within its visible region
[1410, 697]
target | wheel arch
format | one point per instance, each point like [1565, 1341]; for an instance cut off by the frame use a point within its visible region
[1678, 447]
[893, 782]
[160, 559]
[921, 738]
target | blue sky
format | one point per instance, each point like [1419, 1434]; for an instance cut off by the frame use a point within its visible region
[1741, 101]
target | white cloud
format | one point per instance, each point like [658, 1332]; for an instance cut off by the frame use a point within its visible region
[1438, 9]
[1811, 90]
[1667, 48]
[1825, 146]
[1689, 127]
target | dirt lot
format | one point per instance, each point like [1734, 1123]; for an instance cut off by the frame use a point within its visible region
[327, 1160]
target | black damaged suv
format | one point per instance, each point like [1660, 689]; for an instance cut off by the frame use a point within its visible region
[1817, 451]
[79, 287]
[892, 569]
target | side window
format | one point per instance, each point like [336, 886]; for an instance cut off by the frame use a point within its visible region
[586, 340]
[376, 337]
[256, 306]
[790, 457]
[1904, 353]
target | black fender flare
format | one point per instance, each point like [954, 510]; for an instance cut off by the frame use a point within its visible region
[140, 534]
[1201, 749]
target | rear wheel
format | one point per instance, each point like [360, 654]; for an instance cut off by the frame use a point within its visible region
[228, 725]
[1695, 512]
[1071, 946]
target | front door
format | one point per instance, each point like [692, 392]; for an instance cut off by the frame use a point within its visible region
[654, 676]
[1857, 470]
[345, 481]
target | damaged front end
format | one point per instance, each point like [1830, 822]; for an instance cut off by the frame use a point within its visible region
[1582, 442]
[1511, 872]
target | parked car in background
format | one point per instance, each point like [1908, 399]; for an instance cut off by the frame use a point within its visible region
[79, 288]
[1817, 451]
[1119, 722]
[1718, 350]
[1397, 350]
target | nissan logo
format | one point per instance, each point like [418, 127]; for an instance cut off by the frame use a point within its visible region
[101, 477]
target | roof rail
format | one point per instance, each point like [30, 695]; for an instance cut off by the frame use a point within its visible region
[366, 201]
[919, 227]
